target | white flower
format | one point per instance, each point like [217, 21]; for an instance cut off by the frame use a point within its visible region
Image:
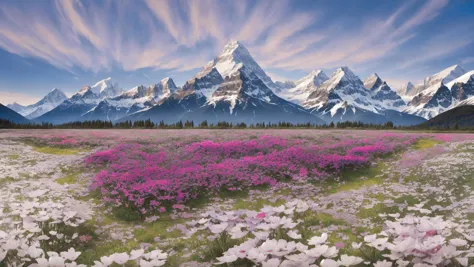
[383, 264]
[350, 260]
[218, 228]
[458, 242]
[271, 263]
[74, 264]
[370, 238]
[106, 261]
[71, 254]
[135, 254]
[294, 234]
[236, 232]
[43, 237]
[317, 251]
[144, 263]
[330, 253]
[226, 259]
[35, 252]
[41, 262]
[98, 264]
[120, 258]
[356, 245]
[156, 254]
[402, 263]
[329, 263]
[11, 244]
[317, 240]
[463, 261]
[56, 261]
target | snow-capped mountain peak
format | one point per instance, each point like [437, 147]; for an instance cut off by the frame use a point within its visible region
[316, 77]
[53, 99]
[373, 82]
[301, 89]
[469, 76]
[106, 88]
[232, 58]
[444, 76]
[405, 89]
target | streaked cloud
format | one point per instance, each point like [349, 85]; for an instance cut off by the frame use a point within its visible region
[180, 35]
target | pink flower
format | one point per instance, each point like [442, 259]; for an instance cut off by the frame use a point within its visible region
[85, 238]
[261, 215]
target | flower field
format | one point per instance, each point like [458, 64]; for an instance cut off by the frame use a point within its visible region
[236, 198]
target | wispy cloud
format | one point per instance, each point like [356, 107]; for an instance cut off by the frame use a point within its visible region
[183, 35]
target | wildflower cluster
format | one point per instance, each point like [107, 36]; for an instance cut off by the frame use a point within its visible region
[41, 231]
[152, 178]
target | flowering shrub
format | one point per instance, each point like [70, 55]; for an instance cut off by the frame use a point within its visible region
[151, 177]
[273, 239]
[42, 229]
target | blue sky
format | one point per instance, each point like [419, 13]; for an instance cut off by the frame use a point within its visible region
[67, 44]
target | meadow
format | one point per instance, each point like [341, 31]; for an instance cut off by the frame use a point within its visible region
[236, 198]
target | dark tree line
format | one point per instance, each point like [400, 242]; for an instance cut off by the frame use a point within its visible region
[149, 124]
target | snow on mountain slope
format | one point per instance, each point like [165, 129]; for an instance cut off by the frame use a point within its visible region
[469, 76]
[439, 97]
[430, 102]
[15, 107]
[134, 100]
[343, 86]
[303, 87]
[468, 101]
[384, 97]
[445, 76]
[373, 82]
[230, 88]
[232, 58]
[54, 98]
[106, 88]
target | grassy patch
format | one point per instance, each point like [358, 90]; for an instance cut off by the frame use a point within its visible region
[6, 180]
[426, 143]
[58, 151]
[70, 178]
[355, 179]
[256, 204]
[13, 156]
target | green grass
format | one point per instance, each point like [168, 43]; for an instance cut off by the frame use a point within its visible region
[68, 179]
[6, 180]
[58, 151]
[13, 156]
[426, 143]
[355, 179]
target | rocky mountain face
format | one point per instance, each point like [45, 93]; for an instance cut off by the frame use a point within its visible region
[345, 97]
[299, 90]
[54, 98]
[234, 88]
[230, 88]
[441, 97]
[382, 94]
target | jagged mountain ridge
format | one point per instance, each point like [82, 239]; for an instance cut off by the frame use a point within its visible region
[345, 97]
[239, 95]
[244, 84]
[441, 97]
[54, 98]
[298, 91]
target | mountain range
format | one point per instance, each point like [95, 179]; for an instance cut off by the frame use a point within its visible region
[234, 88]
